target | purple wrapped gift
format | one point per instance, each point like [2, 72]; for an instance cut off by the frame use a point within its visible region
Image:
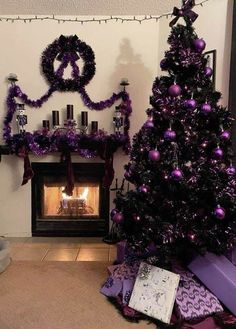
[231, 255]
[193, 301]
[121, 250]
[219, 275]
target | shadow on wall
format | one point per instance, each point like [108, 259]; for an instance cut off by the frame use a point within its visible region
[130, 65]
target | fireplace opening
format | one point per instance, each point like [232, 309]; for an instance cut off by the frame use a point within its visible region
[84, 213]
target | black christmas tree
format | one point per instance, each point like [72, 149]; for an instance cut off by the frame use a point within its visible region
[184, 195]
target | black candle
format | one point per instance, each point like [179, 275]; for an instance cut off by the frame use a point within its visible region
[69, 112]
[84, 118]
[46, 124]
[94, 126]
[55, 118]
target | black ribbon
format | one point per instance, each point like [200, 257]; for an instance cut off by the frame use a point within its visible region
[68, 45]
[185, 12]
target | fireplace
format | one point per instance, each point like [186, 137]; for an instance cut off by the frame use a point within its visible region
[84, 213]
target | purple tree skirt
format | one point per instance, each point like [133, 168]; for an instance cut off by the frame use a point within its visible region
[232, 256]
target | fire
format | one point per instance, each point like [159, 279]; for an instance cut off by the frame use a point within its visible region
[84, 195]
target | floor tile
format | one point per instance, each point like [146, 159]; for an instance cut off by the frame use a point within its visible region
[34, 254]
[61, 255]
[112, 254]
[95, 254]
[93, 245]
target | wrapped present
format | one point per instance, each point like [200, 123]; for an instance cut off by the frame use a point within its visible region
[193, 301]
[219, 276]
[154, 292]
[121, 250]
[231, 255]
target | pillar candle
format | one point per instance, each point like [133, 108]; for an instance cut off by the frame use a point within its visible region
[55, 118]
[94, 126]
[70, 112]
[46, 124]
[84, 118]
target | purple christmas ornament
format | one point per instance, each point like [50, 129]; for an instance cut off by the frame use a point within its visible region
[191, 236]
[208, 71]
[199, 45]
[169, 134]
[163, 64]
[174, 90]
[231, 170]
[143, 189]
[225, 135]
[177, 174]
[149, 124]
[113, 212]
[190, 104]
[127, 174]
[206, 108]
[154, 155]
[218, 153]
[219, 212]
[118, 218]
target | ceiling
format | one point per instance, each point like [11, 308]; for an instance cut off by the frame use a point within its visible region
[87, 7]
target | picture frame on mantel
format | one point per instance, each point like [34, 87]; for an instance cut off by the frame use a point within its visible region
[211, 57]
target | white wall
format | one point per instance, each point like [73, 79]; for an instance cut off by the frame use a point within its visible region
[122, 50]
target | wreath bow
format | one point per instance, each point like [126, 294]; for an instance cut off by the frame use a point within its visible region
[186, 12]
[68, 45]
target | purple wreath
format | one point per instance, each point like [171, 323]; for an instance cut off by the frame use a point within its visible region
[66, 49]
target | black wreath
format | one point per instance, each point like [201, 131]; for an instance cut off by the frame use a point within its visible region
[61, 46]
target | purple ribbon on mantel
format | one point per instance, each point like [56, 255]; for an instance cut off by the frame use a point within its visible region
[185, 12]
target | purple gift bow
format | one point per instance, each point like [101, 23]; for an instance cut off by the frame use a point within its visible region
[186, 12]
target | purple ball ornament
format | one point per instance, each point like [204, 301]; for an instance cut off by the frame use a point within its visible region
[231, 170]
[174, 90]
[218, 153]
[154, 155]
[225, 135]
[208, 71]
[169, 135]
[219, 212]
[113, 212]
[144, 189]
[190, 104]
[118, 218]
[206, 108]
[199, 45]
[163, 64]
[149, 124]
[127, 175]
[177, 174]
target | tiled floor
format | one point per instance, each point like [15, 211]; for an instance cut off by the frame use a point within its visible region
[61, 249]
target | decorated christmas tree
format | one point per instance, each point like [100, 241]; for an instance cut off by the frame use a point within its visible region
[184, 195]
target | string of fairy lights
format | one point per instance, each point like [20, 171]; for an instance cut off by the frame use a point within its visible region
[121, 19]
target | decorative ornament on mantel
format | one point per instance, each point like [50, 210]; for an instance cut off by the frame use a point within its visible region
[67, 50]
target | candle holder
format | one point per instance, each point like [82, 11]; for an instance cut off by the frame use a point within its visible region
[124, 82]
[55, 120]
[118, 120]
[84, 122]
[46, 124]
[94, 127]
[21, 118]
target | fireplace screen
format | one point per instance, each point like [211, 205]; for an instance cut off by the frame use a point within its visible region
[83, 203]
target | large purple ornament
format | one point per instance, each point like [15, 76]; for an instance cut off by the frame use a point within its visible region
[154, 155]
[169, 134]
[174, 90]
[149, 124]
[206, 108]
[225, 135]
[177, 174]
[144, 189]
[118, 218]
[199, 45]
[208, 71]
[218, 153]
[113, 212]
[190, 104]
[219, 212]
[231, 170]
